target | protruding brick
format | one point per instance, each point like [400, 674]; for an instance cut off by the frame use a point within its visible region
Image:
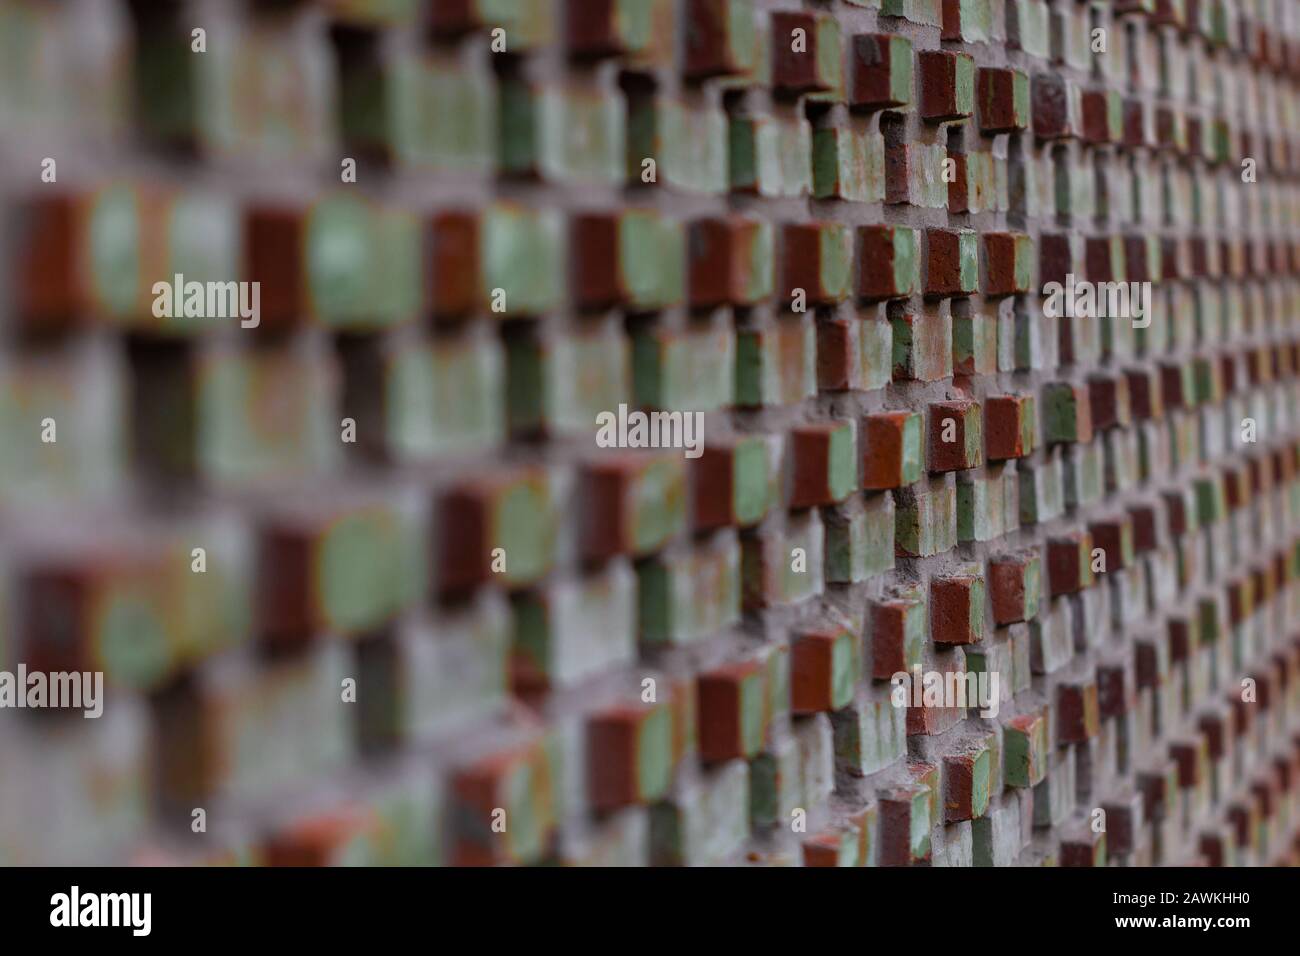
[891, 453]
[956, 436]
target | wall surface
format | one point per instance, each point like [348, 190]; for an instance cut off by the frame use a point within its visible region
[364, 583]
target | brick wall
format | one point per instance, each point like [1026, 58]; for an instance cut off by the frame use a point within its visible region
[361, 582]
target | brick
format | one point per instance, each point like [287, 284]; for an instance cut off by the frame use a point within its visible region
[637, 504]
[1009, 426]
[952, 262]
[825, 463]
[957, 609]
[817, 259]
[888, 262]
[806, 61]
[731, 261]
[1069, 562]
[891, 450]
[732, 711]
[629, 755]
[512, 513]
[1009, 258]
[1014, 584]
[824, 666]
[897, 635]
[963, 423]
[947, 84]
[1003, 99]
[721, 38]
[1067, 413]
[881, 71]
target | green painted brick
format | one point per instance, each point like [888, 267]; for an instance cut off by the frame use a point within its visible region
[522, 254]
[861, 544]
[651, 258]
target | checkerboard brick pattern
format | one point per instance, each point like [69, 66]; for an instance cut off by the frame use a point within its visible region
[462, 633]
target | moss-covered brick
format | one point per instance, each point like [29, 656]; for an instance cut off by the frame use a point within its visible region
[610, 27]
[360, 570]
[684, 371]
[443, 115]
[258, 415]
[565, 631]
[754, 151]
[721, 38]
[687, 143]
[978, 183]
[869, 736]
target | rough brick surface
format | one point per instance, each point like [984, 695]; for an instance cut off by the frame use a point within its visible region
[832, 229]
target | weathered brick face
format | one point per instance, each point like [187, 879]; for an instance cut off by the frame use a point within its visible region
[366, 581]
